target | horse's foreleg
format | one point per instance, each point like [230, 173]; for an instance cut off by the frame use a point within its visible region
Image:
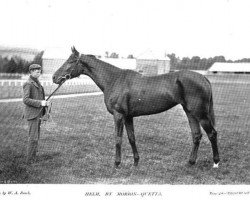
[196, 135]
[119, 123]
[129, 124]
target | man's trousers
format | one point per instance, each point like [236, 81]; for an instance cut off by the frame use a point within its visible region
[34, 136]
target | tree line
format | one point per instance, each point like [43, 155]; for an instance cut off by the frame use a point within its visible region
[197, 63]
[116, 55]
[17, 64]
[194, 63]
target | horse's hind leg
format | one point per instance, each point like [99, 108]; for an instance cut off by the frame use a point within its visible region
[212, 135]
[196, 135]
[131, 136]
[119, 124]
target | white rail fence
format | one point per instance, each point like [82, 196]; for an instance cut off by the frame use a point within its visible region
[76, 81]
[12, 88]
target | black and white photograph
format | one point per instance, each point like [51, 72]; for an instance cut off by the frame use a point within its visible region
[125, 99]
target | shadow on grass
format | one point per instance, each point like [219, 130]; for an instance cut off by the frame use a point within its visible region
[14, 170]
[47, 157]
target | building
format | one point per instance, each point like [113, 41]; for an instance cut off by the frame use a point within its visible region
[219, 67]
[149, 64]
[122, 63]
[152, 67]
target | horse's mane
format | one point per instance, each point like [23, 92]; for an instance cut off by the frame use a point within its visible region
[107, 65]
[91, 56]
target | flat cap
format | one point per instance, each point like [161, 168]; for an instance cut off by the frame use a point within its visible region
[34, 66]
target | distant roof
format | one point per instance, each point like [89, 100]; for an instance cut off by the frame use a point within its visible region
[230, 67]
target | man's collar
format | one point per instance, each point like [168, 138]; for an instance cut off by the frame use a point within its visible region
[33, 82]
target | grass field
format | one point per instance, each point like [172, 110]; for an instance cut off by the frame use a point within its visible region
[79, 146]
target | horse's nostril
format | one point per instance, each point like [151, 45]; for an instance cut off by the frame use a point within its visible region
[67, 76]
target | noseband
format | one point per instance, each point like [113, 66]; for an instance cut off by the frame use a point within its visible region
[66, 76]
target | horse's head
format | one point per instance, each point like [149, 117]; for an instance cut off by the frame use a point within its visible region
[73, 67]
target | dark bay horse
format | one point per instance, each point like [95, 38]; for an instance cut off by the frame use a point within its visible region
[128, 94]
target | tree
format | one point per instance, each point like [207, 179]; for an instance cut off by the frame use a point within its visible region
[219, 59]
[185, 60]
[114, 55]
[195, 59]
[130, 56]
[39, 58]
[106, 54]
[203, 64]
[173, 60]
[244, 60]
[11, 66]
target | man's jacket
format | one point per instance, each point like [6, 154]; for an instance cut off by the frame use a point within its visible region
[33, 94]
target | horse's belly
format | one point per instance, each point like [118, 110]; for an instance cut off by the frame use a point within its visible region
[150, 106]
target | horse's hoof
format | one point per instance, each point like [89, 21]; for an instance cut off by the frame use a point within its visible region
[191, 162]
[136, 162]
[117, 164]
[216, 166]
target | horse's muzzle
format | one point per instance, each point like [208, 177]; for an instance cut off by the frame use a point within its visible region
[54, 79]
[61, 79]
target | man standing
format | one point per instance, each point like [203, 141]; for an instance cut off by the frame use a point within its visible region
[33, 98]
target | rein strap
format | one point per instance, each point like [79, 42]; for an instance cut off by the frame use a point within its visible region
[48, 108]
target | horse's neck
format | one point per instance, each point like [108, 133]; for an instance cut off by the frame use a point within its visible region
[103, 74]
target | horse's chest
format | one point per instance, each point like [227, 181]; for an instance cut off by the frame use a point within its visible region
[115, 102]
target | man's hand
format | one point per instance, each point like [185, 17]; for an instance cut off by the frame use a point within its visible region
[45, 103]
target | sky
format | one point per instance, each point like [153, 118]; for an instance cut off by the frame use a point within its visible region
[204, 28]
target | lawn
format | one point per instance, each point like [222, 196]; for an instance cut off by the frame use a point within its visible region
[79, 145]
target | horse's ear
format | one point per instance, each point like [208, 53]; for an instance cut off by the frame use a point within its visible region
[73, 49]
